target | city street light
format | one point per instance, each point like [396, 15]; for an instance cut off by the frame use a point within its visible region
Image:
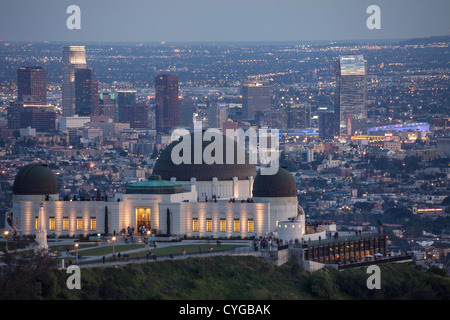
[76, 246]
[113, 240]
[6, 234]
[148, 239]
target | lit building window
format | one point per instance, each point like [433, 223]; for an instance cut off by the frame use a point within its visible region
[209, 225]
[223, 225]
[65, 223]
[251, 225]
[79, 224]
[195, 225]
[93, 224]
[51, 223]
[277, 223]
[36, 223]
[237, 225]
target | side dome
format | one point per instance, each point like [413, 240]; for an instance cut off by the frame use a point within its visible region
[281, 184]
[35, 179]
[167, 169]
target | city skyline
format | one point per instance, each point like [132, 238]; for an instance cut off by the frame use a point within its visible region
[124, 163]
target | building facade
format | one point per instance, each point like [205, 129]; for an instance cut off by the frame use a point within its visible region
[32, 82]
[167, 103]
[256, 99]
[253, 207]
[74, 57]
[86, 92]
[351, 93]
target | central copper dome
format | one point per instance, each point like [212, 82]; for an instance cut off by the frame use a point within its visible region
[167, 169]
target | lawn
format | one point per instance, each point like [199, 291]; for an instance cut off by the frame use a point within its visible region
[159, 252]
[192, 249]
[108, 249]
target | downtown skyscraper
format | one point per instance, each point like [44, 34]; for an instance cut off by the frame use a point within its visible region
[32, 85]
[86, 93]
[255, 100]
[74, 57]
[167, 103]
[350, 98]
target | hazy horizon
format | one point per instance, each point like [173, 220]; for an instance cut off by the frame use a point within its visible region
[208, 21]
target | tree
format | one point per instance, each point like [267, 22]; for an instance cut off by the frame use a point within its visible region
[28, 275]
[168, 221]
[106, 220]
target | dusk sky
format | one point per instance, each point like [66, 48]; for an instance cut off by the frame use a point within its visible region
[213, 20]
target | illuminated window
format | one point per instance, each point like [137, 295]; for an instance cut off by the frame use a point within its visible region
[93, 224]
[51, 223]
[223, 225]
[237, 225]
[36, 222]
[277, 223]
[65, 223]
[209, 225]
[251, 225]
[195, 225]
[79, 224]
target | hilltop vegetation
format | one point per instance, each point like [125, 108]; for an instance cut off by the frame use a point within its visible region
[225, 277]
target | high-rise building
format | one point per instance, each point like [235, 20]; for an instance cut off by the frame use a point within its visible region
[125, 98]
[187, 112]
[40, 117]
[32, 85]
[13, 115]
[255, 99]
[136, 115]
[96, 101]
[37, 116]
[351, 91]
[86, 92]
[108, 107]
[217, 115]
[74, 57]
[167, 104]
[328, 127]
[299, 116]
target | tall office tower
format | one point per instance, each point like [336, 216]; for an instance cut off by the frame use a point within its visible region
[32, 85]
[351, 91]
[96, 101]
[85, 91]
[255, 100]
[13, 115]
[107, 103]
[217, 115]
[187, 112]
[328, 127]
[125, 98]
[299, 116]
[136, 115]
[167, 104]
[74, 57]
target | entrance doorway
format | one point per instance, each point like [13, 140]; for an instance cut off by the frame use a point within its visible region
[143, 219]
